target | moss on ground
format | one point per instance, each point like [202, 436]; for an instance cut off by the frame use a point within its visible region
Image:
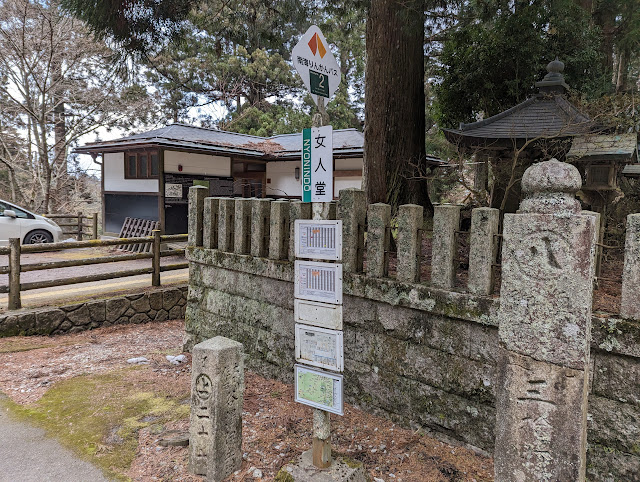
[99, 416]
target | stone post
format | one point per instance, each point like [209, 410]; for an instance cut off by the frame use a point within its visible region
[226, 213]
[323, 210]
[352, 210]
[279, 230]
[217, 393]
[260, 227]
[630, 303]
[210, 223]
[597, 252]
[483, 249]
[242, 226]
[297, 210]
[195, 213]
[378, 233]
[446, 221]
[544, 331]
[409, 243]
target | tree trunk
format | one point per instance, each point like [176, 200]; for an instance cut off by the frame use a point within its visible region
[395, 104]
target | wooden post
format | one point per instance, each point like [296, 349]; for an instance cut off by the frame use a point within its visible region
[14, 274]
[157, 240]
[80, 226]
[95, 226]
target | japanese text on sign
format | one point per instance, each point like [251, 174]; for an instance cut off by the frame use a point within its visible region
[318, 239]
[318, 281]
[317, 164]
[319, 347]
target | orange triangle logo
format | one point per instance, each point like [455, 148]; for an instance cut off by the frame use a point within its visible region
[316, 45]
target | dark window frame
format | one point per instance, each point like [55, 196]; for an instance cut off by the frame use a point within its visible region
[138, 155]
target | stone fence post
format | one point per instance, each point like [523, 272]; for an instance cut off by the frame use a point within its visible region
[279, 230]
[544, 331]
[210, 223]
[297, 210]
[260, 213]
[483, 249]
[630, 303]
[217, 393]
[352, 210]
[226, 213]
[242, 226]
[195, 214]
[409, 242]
[378, 237]
[446, 221]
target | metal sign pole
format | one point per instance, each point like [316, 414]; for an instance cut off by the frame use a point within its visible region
[321, 449]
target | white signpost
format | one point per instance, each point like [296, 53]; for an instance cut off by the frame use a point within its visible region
[317, 164]
[315, 63]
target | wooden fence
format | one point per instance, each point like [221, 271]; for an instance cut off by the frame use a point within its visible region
[77, 225]
[14, 268]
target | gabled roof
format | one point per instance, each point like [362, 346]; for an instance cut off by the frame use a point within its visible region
[615, 147]
[346, 142]
[543, 115]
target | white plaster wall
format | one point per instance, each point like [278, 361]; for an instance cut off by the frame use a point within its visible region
[114, 176]
[202, 164]
[283, 179]
[345, 182]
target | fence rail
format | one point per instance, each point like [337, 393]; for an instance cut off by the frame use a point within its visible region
[79, 222]
[15, 250]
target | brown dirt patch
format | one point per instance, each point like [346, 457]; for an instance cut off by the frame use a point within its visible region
[275, 428]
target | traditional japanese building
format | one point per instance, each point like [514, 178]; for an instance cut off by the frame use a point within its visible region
[147, 175]
[541, 127]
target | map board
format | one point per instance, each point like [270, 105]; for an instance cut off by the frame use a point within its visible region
[320, 347]
[316, 281]
[319, 389]
[318, 239]
[324, 315]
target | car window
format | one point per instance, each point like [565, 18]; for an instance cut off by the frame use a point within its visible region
[19, 212]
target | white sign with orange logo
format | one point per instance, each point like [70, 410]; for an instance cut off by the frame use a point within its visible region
[317, 281]
[318, 239]
[315, 63]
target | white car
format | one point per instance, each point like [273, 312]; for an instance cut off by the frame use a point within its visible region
[31, 228]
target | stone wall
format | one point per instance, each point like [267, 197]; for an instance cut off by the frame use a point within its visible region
[421, 355]
[158, 304]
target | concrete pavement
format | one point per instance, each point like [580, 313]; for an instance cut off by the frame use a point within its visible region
[27, 455]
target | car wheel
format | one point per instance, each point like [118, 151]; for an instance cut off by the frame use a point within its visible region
[38, 236]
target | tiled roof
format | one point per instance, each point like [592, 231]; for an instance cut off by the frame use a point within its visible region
[539, 116]
[345, 141]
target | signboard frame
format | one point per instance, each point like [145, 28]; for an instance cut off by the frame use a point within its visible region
[330, 312]
[337, 298]
[339, 347]
[335, 255]
[338, 406]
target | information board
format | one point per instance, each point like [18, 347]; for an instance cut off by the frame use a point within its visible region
[318, 281]
[319, 389]
[324, 315]
[318, 239]
[319, 347]
[173, 190]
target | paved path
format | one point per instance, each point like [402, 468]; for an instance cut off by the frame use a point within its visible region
[27, 455]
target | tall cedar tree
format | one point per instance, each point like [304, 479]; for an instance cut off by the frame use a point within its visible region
[395, 105]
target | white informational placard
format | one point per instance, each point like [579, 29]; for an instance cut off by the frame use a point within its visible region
[319, 389]
[316, 65]
[320, 347]
[317, 164]
[324, 315]
[318, 281]
[173, 190]
[318, 239]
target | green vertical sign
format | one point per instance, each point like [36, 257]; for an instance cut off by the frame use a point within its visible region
[306, 165]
